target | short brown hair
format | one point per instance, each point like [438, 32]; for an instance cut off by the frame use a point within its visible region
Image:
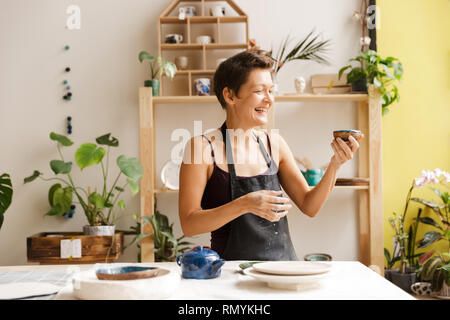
[234, 71]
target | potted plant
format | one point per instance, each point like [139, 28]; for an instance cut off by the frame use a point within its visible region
[436, 269]
[309, 48]
[404, 278]
[383, 74]
[390, 261]
[158, 66]
[99, 205]
[166, 246]
[6, 192]
[441, 209]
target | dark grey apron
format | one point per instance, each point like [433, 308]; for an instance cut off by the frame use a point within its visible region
[252, 237]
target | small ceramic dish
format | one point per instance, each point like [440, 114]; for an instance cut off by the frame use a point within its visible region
[317, 257]
[344, 134]
[421, 288]
[126, 273]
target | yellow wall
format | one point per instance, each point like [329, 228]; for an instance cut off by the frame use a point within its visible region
[416, 132]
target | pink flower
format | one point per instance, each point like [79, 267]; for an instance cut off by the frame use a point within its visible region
[429, 176]
[419, 182]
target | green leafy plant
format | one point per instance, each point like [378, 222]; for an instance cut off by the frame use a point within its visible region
[6, 193]
[166, 246]
[98, 206]
[158, 66]
[309, 48]
[436, 269]
[382, 73]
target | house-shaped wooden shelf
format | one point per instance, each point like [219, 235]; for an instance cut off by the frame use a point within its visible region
[205, 67]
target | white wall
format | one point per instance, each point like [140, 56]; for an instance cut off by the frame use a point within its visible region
[105, 78]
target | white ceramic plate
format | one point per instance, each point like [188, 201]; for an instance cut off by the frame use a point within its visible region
[170, 175]
[294, 268]
[285, 281]
[87, 286]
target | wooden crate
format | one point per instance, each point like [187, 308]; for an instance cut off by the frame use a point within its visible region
[45, 248]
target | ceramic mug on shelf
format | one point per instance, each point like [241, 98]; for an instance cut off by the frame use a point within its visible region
[174, 38]
[181, 62]
[184, 12]
[202, 86]
[203, 39]
[217, 11]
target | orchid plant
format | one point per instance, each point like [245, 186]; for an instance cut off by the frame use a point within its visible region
[406, 240]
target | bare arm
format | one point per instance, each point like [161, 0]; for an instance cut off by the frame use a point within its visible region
[295, 185]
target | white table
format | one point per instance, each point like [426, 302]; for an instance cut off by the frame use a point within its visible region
[347, 280]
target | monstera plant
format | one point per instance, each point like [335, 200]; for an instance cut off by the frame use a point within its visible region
[99, 205]
[6, 193]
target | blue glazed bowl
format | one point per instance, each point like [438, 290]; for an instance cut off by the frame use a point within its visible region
[200, 263]
[313, 176]
[126, 273]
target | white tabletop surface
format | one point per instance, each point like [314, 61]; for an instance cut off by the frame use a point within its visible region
[346, 280]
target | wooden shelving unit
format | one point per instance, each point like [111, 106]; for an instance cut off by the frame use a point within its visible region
[189, 44]
[369, 166]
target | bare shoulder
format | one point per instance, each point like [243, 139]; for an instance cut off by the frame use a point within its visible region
[194, 150]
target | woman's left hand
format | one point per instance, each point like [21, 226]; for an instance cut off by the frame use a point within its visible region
[344, 151]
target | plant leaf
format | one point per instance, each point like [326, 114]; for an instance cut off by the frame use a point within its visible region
[89, 154]
[144, 55]
[51, 192]
[32, 177]
[121, 204]
[97, 200]
[430, 222]
[429, 238]
[59, 166]
[61, 139]
[63, 197]
[55, 210]
[107, 140]
[6, 192]
[133, 187]
[131, 167]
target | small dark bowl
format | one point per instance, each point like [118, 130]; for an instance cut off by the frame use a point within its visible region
[344, 134]
[126, 273]
[318, 257]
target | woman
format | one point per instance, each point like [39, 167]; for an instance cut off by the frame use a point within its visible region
[240, 202]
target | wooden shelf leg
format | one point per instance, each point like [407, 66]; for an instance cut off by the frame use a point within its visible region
[375, 188]
[146, 156]
[363, 195]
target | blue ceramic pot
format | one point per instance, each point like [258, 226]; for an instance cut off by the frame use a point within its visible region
[200, 263]
[313, 176]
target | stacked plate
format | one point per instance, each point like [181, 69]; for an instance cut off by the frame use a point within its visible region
[290, 275]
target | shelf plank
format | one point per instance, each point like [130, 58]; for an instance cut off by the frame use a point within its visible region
[322, 97]
[366, 187]
[289, 98]
[200, 19]
[198, 46]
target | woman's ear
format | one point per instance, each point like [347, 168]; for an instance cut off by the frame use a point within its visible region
[228, 96]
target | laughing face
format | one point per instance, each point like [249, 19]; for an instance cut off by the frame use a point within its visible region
[254, 99]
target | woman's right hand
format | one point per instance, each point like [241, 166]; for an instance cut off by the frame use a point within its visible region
[267, 204]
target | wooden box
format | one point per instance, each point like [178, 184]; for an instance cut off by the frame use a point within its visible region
[324, 80]
[45, 248]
